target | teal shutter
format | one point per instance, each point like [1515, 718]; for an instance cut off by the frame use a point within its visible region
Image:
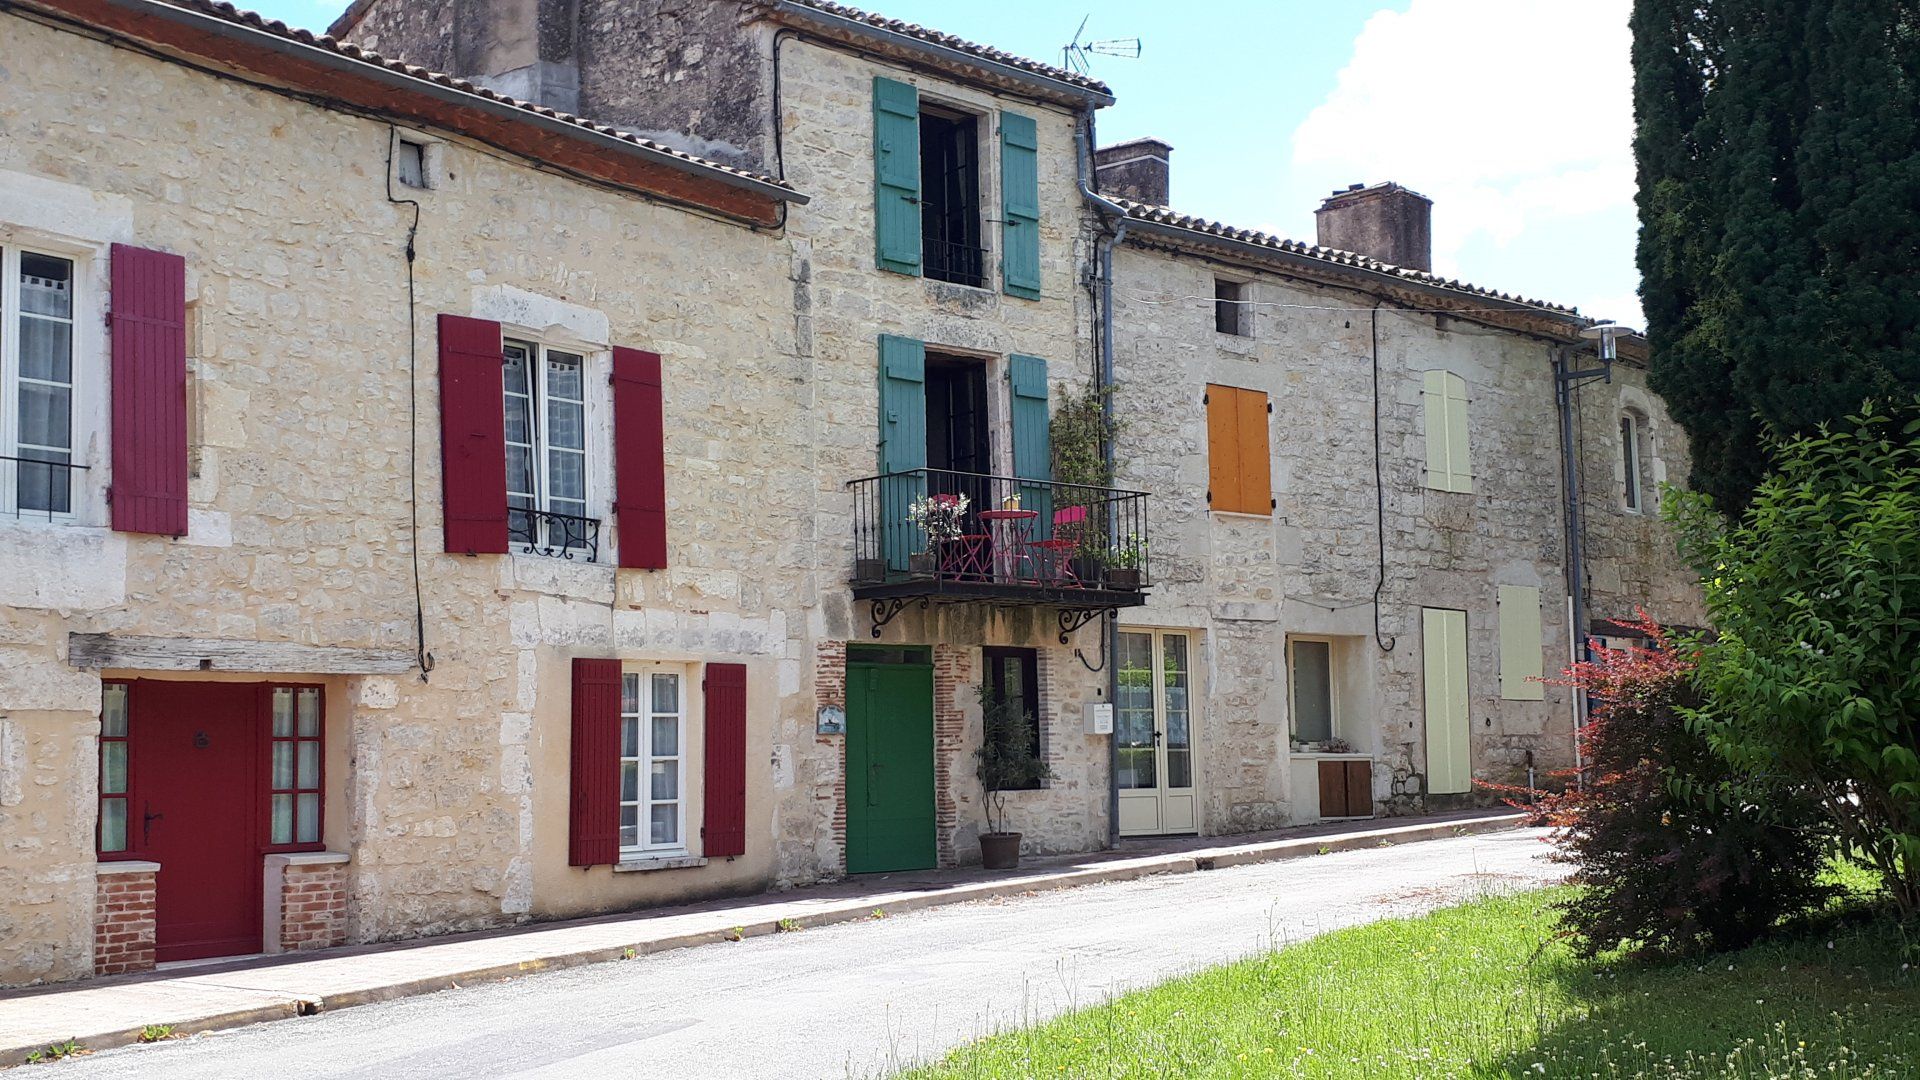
[896, 175]
[903, 444]
[1020, 205]
[1032, 446]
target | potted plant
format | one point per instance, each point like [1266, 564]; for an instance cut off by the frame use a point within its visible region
[941, 516]
[1008, 761]
[1129, 558]
[1077, 434]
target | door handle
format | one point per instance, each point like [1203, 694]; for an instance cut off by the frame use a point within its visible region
[147, 818]
[1156, 738]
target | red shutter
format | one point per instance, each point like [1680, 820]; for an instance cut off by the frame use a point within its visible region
[639, 459]
[593, 835]
[149, 323]
[725, 832]
[473, 436]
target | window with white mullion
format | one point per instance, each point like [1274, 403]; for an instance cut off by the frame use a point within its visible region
[652, 762]
[36, 381]
[563, 386]
[523, 486]
[546, 437]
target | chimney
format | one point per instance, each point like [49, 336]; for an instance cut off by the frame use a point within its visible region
[1136, 170]
[522, 48]
[1385, 222]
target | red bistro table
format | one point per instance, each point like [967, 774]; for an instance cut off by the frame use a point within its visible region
[1011, 530]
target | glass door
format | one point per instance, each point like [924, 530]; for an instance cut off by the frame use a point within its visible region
[1153, 723]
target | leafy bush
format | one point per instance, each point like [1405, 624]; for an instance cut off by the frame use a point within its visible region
[1814, 679]
[1678, 852]
[1008, 760]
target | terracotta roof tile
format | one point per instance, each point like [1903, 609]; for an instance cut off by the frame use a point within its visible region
[985, 52]
[1166, 216]
[221, 10]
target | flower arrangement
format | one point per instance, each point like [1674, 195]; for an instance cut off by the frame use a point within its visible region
[1131, 553]
[940, 515]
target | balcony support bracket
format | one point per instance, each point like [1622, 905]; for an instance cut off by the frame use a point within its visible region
[884, 610]
[1072, 619]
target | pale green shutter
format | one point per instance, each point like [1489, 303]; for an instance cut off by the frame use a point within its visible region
[1521, 663]
[1032, 446]
[896, 173]
[1444, 396]
[1020, 203]
[1456, 388]
[903, 444]
[1443, 641]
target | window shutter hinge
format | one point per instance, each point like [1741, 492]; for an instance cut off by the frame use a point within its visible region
[1209, 498]
[1269, 408]
[1206, 399]
[1273, 504]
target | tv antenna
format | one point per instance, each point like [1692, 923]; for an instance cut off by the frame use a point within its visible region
[1077, 56]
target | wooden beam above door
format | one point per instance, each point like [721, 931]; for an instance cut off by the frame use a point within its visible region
[119, 651]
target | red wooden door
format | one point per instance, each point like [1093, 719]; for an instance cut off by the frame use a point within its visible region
[196, 757]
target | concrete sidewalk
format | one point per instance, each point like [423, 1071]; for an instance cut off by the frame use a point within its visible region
[113, 1012]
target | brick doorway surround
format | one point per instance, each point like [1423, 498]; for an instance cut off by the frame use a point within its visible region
[952, 669]
[305, 899]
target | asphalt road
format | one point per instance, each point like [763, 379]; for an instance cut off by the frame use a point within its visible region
[854, 1000]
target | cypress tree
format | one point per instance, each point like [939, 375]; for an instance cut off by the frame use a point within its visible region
[1777, 147]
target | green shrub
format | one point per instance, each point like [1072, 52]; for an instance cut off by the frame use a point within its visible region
[1813, 681]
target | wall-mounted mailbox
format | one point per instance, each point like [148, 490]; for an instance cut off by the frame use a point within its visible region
[1099, 717]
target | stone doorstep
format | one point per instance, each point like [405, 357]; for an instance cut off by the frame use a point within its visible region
[111, 1012]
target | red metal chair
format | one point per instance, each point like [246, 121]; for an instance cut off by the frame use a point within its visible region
[1053, 557]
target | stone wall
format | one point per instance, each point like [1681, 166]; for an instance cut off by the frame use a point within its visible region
[449, 792]
[1249, 582]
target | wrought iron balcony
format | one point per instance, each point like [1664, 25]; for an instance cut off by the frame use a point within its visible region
[558, 536]
[938, 536]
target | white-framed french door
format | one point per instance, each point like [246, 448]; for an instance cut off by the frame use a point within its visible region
[1153, 728]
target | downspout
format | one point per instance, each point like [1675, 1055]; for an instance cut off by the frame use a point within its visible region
[1563, 379]
[1102, 288]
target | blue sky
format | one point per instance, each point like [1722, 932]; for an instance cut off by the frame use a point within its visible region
[1514, 116]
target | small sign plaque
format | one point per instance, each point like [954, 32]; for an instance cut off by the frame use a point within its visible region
[832, 720]
[1099, 717]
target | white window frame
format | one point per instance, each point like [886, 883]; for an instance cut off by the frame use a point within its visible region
[1632, 475]
[644, 758]
[86, 370]
[1333, 691]
[537, 352]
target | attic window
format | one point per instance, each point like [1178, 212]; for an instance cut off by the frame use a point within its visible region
[1231, 314]
[410, 163]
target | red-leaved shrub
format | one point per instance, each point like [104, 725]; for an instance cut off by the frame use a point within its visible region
[1675, 852]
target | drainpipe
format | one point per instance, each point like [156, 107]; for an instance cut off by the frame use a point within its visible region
[1102, 288]
[1565, 378]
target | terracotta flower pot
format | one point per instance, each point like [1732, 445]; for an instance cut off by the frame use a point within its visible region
[1000, 850]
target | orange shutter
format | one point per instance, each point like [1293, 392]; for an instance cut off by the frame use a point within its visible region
[1256, 467]
[1239, 461]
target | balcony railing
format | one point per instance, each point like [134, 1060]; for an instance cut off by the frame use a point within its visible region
[37, 488]
[959, 264]
[558, 536]
[935, 532]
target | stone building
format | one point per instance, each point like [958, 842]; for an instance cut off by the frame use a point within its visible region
[429, 509]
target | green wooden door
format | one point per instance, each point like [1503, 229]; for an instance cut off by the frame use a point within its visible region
[889, 767]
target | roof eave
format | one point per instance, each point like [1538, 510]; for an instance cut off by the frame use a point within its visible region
[944, 55]
[201, 23]
[1572, 321]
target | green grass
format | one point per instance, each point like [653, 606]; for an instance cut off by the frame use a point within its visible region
[1483, 990]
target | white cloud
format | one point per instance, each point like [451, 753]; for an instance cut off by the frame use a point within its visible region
[1514, 116]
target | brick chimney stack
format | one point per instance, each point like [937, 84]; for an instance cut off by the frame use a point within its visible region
[1385, 222]
[1137, 170]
